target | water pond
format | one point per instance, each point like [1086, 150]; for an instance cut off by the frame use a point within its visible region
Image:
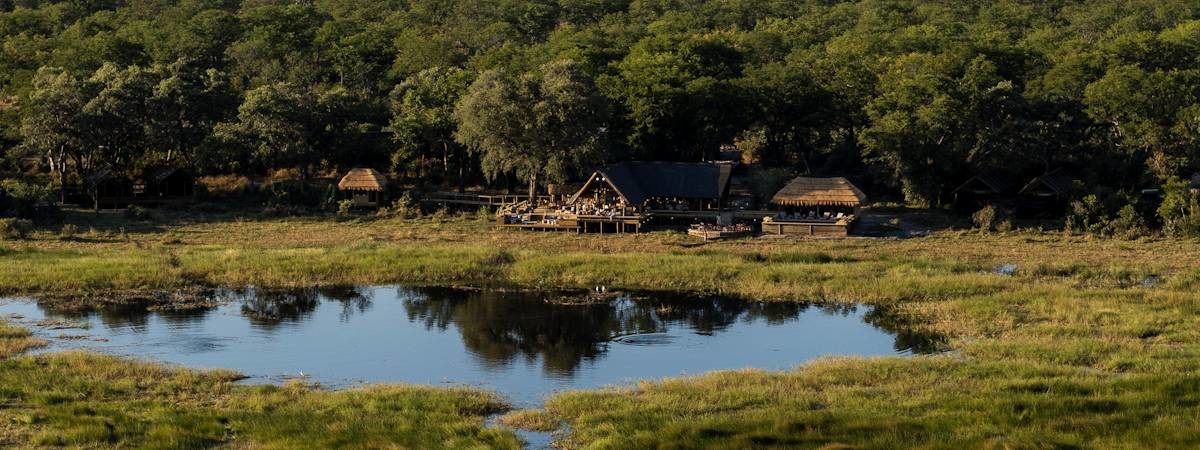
[522, 345]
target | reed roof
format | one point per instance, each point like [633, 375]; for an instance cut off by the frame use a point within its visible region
[362, 179]
[810, 191]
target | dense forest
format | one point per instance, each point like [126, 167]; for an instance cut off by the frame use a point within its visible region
[908, 97]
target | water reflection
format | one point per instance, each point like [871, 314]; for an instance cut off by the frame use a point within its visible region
[520, 343]
[500, 327]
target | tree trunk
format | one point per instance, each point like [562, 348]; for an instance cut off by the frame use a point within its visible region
[533, 190]
[462, 176]
[445, 160]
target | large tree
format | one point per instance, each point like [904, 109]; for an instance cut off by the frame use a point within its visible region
[187, 103]
[53, 123]
[423, 122]
[542, 125]
[274, 123]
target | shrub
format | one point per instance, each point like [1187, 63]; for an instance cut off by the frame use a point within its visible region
[294, 193]
[345, 207]
[1180, 209]
[13, 228]
[1086, 215]
[28, 201]
[1128, 224]
[135, 212]
[403, 207]
[68, 231]
[222, 186]
[484, 214]
[991, 218]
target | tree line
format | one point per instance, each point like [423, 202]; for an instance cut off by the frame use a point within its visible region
[909, 97]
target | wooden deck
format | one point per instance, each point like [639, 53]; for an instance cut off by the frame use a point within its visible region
[546, 221]
[840, 228]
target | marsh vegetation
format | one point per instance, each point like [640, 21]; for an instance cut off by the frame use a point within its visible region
[1068, 344]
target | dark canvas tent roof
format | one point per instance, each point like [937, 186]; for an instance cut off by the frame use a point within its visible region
[157, 176]
[984, 183]
[99, 176]
[1055, 183]
[361, 179]
[637, 181]
[809, 191]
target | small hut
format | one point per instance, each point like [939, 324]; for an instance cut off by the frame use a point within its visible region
[364, 186]
[1045, 196]
[981, 190]
[105, 187]
[168, 182]
[815, 207]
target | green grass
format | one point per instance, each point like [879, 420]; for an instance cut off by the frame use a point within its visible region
[1087, 343]
[84, 400]
[943, 402]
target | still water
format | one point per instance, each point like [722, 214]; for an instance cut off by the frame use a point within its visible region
[521, 345]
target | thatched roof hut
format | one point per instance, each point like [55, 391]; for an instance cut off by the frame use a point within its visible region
[818, 192]
[361, 179]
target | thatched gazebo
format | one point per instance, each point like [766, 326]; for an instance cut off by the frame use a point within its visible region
[815, 206]
[824, 193]
[364, 186]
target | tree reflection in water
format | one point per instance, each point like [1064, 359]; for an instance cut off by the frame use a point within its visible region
[500, 327]
[268, 308]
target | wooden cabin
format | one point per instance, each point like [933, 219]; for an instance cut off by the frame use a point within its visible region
[982, 190]
[105, 188]
[166, 183]
[811, 206]
[366, 187]
[1045, 196]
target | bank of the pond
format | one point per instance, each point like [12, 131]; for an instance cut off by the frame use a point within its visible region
[87, 400]
[1054, 339]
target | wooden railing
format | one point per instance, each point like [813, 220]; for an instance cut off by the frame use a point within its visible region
[458, 198]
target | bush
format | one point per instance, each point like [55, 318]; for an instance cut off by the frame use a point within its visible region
[404, 207]
[345, 207]
[296, 194]
[991, 218]
[1128, 224]
[13, 228]
[485, 214]
[68, 231]
[28, 201]
[223, 186]
[1180, 209]
[1115, 215]
[135, 212]
[1086, 215]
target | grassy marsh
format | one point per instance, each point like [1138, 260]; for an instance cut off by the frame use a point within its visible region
[83, 400]
[1076, 342]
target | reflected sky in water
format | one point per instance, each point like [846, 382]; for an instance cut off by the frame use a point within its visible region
[519, 344]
